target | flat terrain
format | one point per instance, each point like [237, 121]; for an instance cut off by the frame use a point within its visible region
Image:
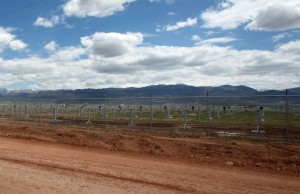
[56, 159]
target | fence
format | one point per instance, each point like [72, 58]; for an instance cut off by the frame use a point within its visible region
[266, 116]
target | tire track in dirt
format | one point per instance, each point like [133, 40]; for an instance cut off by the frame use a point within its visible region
[146, 161]
[134, 171]
[65, 168]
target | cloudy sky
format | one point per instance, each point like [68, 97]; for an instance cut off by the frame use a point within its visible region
[70, 44]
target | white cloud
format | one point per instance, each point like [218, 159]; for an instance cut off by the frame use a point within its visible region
[256, 15]
[47, 73]
[210, 33]
[70, 53]
[277, 17]
[216, 40]
[291, 47]
[171, 13]
[111, 44]
[51, 46]
[5, 37]
[47, 23]
[178, 25]
[196, 38]
[95, 8]
[165, 1]
[100, 61]
[281, 36]
[17, 45]
[9, 40]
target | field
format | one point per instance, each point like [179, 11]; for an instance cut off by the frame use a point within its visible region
[44, 158]
[274, 121]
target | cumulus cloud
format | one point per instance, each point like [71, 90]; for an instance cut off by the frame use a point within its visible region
[196, 38]
[181, 24]
[51, 46]
[9, 40]
[95, 8]
[204, 61]
[52, 72]
[278, 17]
[256, 15]
[111, 44]
[17, 45]
[99, 61]
[291, 47]
[47, 23]
[69, 53]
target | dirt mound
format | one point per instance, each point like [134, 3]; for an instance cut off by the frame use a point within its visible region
[275, 156]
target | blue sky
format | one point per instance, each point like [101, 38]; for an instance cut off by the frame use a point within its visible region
[70, 44]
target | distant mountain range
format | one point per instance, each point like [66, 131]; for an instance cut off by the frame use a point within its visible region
[178, 90]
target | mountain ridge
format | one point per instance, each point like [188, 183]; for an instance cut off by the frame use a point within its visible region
[154, 90]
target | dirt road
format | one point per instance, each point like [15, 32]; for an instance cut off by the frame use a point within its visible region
[29, 166]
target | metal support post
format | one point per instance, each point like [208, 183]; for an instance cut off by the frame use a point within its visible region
[89, 116]
[185, 119]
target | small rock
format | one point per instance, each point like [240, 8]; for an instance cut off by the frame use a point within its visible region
[295, 157]
[229, 163]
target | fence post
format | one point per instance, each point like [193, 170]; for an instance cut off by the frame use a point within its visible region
[38, 112]
[69, 109]
[259, 119]
[185, 119]
[199, 115]
[132, 118]
[54, 114]
[27, 112]
[113, 113]
[207, 110]
[89, 116]
[14, 111]
[151, 112]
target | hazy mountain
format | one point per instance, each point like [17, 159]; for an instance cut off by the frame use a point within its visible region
[3, 91]
[294, 90]
[179, 90]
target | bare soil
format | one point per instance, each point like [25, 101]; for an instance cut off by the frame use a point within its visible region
[58, 159]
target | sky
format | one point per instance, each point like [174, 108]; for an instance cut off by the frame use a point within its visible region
[75, 44]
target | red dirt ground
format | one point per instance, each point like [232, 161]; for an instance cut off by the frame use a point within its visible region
[56, 159]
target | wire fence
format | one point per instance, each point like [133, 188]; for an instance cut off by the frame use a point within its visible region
[264, 116]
